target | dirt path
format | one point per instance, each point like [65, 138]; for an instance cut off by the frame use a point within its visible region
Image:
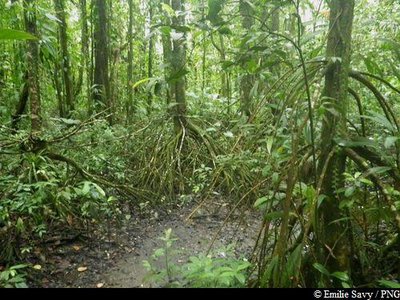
[116, 260]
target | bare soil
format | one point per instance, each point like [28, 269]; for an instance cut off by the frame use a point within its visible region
[115, 259]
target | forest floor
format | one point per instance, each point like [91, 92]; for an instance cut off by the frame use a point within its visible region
[115, 258]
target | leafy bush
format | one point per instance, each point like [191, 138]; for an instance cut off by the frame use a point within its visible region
[37, 194]
[13, 277]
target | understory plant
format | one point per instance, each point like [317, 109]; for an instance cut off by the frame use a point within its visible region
[13, 277]
[219, 270]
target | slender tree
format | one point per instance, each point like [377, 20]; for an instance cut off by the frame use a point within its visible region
[32, 55]
[65, 57]
[178, 64]
[167, 51]
[275, 18]
[101, 82]
[85, 62]
[333, 231]
[150, 56]
[247, 80]
[129, 89]
[204, 50]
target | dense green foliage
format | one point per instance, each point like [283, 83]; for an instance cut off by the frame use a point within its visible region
[214, 98]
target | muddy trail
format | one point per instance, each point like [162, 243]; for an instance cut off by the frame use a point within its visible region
[114, 258]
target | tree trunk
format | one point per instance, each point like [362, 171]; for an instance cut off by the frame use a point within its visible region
[204, 54]
[129, 89]
[275, 19]
[178, 63]
[65, 61]
[21, 105]
[59, 91]
[84, 64]
[247, 80]
[225, 91]
[91, 91]
[334, 235]
[101, 92]
[167, 50]
[32, 55]
[150, 58]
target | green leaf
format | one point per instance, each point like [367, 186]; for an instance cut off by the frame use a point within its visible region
[166, 30]
[214, 8]
[367, 182]
[5, 275]
[17, 279]
[241, 278]
[275, 178]
[176, 36]
[177, 75]
[310, 193]
[321, 269]
[227, 64]
[346, 285]
[266, 170]
[181, 28]
[372, 66]
[251, 66]
[11, 34]
[310, 36]
[271, 267]
[260, 201]
[21, 227]
[225, 30]
[390, 141]
[381, 120]
[270, 142]
[229, 134]
[17, 267]
[159, 252]
[70, 121]
[243, 266]
[343, 276]
[21, 285]
[294, 260]
[99, 189]
[378, 170]
[356, 142]
[86, 188]
[136, 84]
[168, 9]
[168, 233]
[389, 284]
[274, 215]
[346, 204]
[336, 59]
[349, 191]
[52, 17]
[146, 265]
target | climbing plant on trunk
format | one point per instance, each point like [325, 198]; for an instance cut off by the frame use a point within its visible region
[333, 231]
[32, 55]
